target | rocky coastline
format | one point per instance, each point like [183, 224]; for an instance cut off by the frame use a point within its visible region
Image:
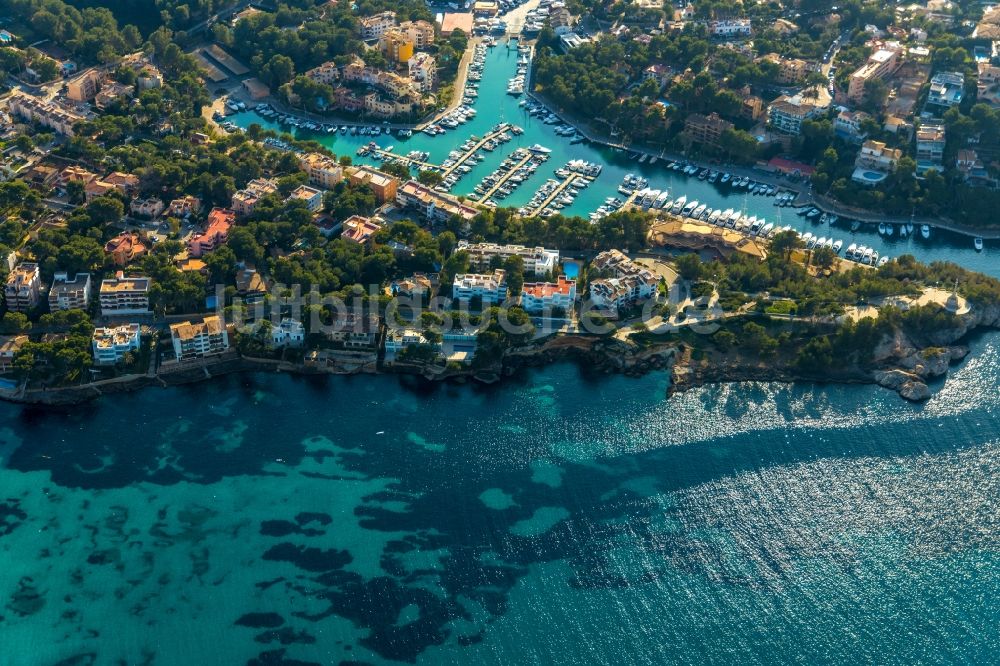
[899, 364]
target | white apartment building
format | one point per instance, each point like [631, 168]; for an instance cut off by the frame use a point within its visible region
[787, 113]
[630, 282]
[110, 344]
[288, 333]
[23, 288]
[124, 296]
[373, 27]
[422, 69]
[489, 288]
[195, 340]
[537, 260]
[67, 294]
[730, 28]
[616, 293]
[43, 113]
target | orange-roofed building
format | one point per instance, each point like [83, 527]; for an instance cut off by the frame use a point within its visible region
[453, 21]
[75, 174]
[125, 248]
[537, 296]
[96, 188]
[216, 232]
[383, 185]
[126, 183]
[359, 229]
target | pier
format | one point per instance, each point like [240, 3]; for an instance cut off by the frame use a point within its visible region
[503, 179]
[630, 201]
[567, 181]
[386, 155]
[501, 128]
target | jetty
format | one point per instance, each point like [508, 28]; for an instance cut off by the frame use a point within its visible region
[387, 156]
[464, 157]
[566, 182]
[504, 178]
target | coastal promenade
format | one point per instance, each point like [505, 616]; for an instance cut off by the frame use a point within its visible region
[458, 90]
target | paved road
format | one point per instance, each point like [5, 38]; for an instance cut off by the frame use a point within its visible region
[515, 18]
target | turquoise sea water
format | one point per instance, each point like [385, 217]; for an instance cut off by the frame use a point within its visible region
[560, 518]
[494, 105]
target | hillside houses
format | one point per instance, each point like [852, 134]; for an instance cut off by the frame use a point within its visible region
[402, 90]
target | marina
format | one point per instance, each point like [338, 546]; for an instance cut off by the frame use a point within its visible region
[666, 174]
[513, 171]
[556, 195]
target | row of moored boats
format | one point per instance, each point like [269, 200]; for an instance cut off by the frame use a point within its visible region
[739, 221]
[515, 86]
[265, 111]
[560, 127]
[582, 174]
[512, 175]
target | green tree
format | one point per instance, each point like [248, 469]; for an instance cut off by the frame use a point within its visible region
[429, 178]
[14, 322]
[514, 269]
[689, 266]
[785, 242]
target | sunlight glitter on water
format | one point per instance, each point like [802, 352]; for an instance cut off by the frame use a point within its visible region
[712, 412]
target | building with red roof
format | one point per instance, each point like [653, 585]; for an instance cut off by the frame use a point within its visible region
[539, 296]
[216, 232]
[790, 167]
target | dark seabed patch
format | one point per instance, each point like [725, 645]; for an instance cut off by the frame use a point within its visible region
[260, 620]
[310, 559]
[11, 516]
[285, 636]
[277, 658]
